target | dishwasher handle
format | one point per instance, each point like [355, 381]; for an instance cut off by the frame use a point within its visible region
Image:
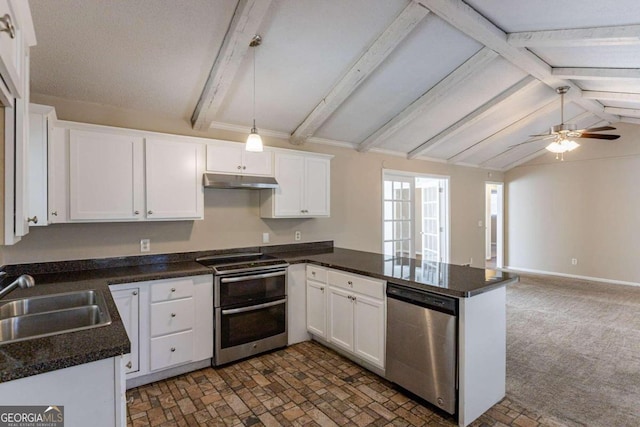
[424, 299]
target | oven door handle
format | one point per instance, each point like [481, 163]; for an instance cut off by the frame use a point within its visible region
[253, 307]
[256, 276]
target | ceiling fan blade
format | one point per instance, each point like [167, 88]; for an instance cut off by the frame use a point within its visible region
[598, 129]
[598, 136]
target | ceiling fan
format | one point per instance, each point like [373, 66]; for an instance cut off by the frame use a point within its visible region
[563, 135]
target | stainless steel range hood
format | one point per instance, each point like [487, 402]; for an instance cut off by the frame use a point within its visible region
[216, 180]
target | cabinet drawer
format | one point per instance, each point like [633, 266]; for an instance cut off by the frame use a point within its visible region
[171, 316]
[316, 273]
[171, 289]
[372, 287]
[171, 350]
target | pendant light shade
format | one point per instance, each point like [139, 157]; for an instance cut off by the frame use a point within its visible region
[254, 142]
[562, 146]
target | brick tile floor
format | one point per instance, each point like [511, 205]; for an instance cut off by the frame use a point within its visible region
[302, 385]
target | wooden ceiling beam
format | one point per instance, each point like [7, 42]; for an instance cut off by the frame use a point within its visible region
[430, 98]
[596, 36]
[475, 116]
[597, 73]
[384, 45]
[611, 96]
[542, 108]
[624, 112]
[244, 25]
[463, 17]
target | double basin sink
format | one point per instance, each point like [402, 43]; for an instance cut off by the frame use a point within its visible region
[41, 316]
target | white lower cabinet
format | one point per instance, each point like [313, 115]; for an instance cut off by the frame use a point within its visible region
[170, 324]
[348, 311]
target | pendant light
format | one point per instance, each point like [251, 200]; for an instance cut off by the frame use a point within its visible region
[254, 142]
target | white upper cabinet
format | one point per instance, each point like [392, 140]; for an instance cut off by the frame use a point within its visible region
[109, 175]
[232, 158]
[174, 175]
[16, 35]
[41, 119]
[304, 191]
[106, 176]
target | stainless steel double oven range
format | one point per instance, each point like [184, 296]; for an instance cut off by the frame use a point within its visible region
[250, 304]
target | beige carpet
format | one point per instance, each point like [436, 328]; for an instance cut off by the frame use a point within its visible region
[573, 350]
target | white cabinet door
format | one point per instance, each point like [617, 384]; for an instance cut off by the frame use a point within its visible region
[174, 180]
[127, 302]
[369, 329]
[316, 191]
[290, 175]
[224, 157]
[106, 179]
[341, 318]
[317, 308]
[257, 163]
[11, 51]
[40, 127]
[58, 176]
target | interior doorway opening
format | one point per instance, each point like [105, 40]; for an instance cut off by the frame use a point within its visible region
[494, 225]
[415, 216]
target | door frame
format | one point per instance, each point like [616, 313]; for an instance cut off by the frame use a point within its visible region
[499, 221]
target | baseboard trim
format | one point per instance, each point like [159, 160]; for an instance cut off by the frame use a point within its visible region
[572, 276]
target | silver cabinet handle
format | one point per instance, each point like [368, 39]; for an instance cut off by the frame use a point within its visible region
[322, 289]
[150, 212]
[129, 365]
[135, 292]
[173, 349]
[173, 289]
[8, 26]
[136, 213]
[350, 283]
[54, 213]
[244, 167]
[239, 167]
[33, 220]
[253, 307]
[173, 315]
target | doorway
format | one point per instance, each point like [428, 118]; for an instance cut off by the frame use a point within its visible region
[415, 216]
[494, 225]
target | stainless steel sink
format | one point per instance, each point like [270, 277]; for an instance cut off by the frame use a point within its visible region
[47, 315]
[46, 303]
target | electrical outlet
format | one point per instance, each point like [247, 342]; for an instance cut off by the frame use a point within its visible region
[297, 236]
[145, 245]
[574, 261]
[265, 237]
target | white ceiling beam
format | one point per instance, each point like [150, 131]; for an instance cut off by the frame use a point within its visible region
[596, 36]
[597, 73]
[630, 120]
[611, 96]
[366, 64]
[543, 107]
[625, 112]
[244, 25]
[475, 116]
[461, 16]
[432, 97]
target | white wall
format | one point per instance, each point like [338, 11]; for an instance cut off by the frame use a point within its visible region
[585, 207]
[232, 216]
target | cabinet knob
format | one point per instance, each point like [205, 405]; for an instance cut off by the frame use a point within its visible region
[173, 349]
[239, 167]
[129, 365]
[33, 220]
[173, 315]
[350, 283]
[54, 213]
[354, 299]
[8, 26]
[135, 292]
[313, 273]
[244, 167]
[322, 289]
[173, 289]
[136, 213]
[150, 212]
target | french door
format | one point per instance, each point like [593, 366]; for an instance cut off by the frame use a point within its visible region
[398, 215]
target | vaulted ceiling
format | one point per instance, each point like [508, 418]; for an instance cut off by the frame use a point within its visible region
[455, 81]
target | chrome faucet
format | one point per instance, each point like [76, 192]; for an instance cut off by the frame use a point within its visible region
[24, 281]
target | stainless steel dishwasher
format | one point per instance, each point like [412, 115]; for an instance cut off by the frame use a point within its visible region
[422, 344]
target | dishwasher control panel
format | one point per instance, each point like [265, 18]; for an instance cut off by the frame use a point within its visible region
[422, 298]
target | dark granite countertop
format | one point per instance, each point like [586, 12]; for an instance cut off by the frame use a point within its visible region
[449, 279]
[39, 355]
